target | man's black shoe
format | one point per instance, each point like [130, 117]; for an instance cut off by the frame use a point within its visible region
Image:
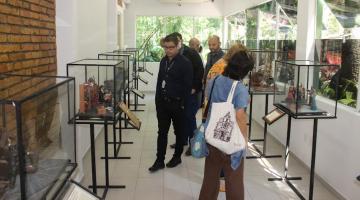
[188, 151]
[173, 162]
[156, 166]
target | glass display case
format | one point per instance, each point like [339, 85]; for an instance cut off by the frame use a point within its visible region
[300, 82]
[261, 77]
[128, 58]
[134, 58]
[100, 86]
[37, 138]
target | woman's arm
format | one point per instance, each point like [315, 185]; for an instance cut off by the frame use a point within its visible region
[242, 122]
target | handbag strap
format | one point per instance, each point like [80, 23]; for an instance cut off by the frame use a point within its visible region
[232, 91]
[209, 101]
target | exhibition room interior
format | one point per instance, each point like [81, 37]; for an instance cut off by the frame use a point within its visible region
[78, 81]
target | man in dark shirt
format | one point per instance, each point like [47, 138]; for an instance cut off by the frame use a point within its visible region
[192, 103]
[215, 53]
[172, 89]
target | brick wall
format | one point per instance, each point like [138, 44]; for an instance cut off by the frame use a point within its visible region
[27, 36]
[28, 47]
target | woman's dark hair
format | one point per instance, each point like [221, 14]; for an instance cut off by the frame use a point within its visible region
[239, 65]
[172, 38]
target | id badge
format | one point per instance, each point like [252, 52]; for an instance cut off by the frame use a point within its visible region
[163, 84]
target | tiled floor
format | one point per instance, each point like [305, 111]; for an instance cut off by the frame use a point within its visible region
[184, 181]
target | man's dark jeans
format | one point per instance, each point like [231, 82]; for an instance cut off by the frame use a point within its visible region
[168, 110]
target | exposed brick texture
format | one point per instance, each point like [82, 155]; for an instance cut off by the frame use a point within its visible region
[27, 36]
[28, 47]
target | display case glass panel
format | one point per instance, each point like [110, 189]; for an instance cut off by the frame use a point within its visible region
[37, 137]
[128, 59]
[262, 75]
[300, 82]
[100, 86]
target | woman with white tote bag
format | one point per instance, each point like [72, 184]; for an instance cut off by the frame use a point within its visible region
[227, 88]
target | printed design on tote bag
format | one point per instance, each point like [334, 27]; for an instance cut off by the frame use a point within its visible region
[224, 128]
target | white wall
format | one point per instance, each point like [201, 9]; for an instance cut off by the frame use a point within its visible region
[65, 34]
[155, 8]
[84, 28]
[112, 25]
[92, 28]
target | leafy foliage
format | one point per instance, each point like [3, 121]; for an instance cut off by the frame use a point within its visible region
[150, 29]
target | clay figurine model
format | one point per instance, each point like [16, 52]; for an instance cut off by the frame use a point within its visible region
[108, 99]
[101, 94]
[301, 94]
[89, 95]
[291, 94]
[101, 110]
[312, 99]
[308, 99]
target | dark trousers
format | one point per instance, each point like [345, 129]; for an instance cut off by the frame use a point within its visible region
[234, 179]
[167, 111]
[191, 108]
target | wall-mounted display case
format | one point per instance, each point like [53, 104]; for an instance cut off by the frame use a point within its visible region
[37, 137]
[101, 85]
[300, 82]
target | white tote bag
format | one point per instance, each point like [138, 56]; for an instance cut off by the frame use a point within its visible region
[223, 131]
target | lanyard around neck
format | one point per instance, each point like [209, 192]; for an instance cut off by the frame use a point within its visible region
[169, 65]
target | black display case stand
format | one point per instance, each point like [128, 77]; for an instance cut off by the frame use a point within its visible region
[312, 167]
[250, 120]
[115, 143]
[95, 185]
[135, 90]
[261, 154]
[137, 94]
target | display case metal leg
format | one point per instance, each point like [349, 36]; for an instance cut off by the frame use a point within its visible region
[114, 138]
[119, 143]
[313, 156]
[286, 178]
[93, 161]
[262, 154]
[107, 177]
[106, 154]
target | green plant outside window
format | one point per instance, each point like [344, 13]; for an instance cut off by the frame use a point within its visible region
[150, 29]
[338, 42]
